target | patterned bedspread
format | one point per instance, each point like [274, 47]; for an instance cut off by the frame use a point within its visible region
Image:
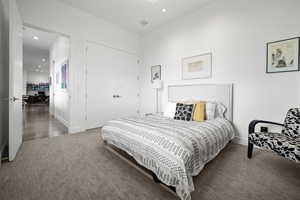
[174, 150]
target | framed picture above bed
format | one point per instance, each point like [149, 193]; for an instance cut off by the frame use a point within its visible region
[155, 73]
[197, 67]
[283, 56]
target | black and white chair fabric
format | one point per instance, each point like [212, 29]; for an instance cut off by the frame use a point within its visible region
[286, 143]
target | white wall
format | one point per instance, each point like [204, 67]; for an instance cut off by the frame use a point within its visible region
[4, 72]
[80, 26]
[59, 102]
[37, 77]
[236, 32]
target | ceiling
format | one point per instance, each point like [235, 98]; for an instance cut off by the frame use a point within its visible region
[36, 52]
[129, 13]
[45, 41]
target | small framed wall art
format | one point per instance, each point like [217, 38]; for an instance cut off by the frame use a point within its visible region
[155, 73]
[197, 67]
[283, 56]
[64, 74]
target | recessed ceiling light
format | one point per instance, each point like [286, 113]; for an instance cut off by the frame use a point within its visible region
[164, 10]
[44, 60]
[35, 37]
[39, 66]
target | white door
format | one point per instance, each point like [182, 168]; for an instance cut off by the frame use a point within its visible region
[15, 79]
[127, 87]
[111, 84]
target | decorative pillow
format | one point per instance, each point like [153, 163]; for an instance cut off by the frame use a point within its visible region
[184, 111]
[221, 110]
[199, 110]
[210, 110]
[170, 110]
[292, 123]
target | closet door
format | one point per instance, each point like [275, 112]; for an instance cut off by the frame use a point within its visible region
[111, 84]
[127, 86]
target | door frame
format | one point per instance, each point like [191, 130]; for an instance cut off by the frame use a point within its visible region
[52, 75]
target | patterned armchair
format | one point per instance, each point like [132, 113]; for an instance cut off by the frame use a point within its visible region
[286, 143]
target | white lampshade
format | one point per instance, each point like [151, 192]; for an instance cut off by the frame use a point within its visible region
[157, 84]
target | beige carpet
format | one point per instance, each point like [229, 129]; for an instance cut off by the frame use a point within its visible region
[74, 167]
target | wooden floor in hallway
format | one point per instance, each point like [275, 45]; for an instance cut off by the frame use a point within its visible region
[38, 123]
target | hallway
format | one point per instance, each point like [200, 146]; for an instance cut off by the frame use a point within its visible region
[38, 123]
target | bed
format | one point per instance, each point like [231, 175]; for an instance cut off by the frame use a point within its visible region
[175, 150]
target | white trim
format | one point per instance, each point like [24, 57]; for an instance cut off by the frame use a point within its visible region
[29, 25]
[76, 129]
[62, 120]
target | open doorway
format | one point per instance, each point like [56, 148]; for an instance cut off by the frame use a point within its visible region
[45, 83]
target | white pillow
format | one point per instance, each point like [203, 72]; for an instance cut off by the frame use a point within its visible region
[170, 110]
[210, 110]
[214, 110]
[221, 110]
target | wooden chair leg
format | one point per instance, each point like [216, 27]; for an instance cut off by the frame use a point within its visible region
[250, 150]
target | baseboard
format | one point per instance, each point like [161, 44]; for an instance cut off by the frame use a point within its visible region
[76, 129]
[62, 120]
[241, 140]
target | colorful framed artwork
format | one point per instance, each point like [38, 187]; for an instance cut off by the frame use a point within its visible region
[283, 56]
[64, 74]
[197, 67]
[155, 73]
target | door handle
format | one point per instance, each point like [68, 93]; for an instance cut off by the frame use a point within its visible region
[116, 96]
[13, 99]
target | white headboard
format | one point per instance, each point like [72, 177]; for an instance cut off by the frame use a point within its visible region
[203, 92]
